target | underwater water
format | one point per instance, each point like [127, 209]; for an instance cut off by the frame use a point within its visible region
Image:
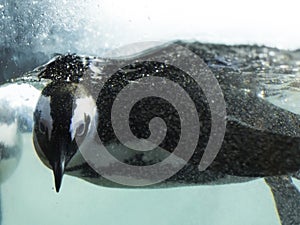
[29, 197]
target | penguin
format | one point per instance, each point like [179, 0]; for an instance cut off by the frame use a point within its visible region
[56, 127]
[9, 150]
[17, 102]
[260, 140]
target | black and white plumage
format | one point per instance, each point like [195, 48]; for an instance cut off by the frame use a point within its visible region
[261, 139]
[56, 127]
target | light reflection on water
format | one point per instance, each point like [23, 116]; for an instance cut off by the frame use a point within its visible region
[28, 197]
[288, 99]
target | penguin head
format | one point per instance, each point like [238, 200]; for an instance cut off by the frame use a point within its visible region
[63, 117]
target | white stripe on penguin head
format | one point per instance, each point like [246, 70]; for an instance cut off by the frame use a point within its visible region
[83, 107]
[43, 106]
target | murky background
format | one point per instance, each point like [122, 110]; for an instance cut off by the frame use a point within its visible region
[32, 31]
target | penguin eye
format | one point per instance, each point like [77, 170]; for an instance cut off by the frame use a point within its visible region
[80, 130]
[42, 127]
[82, 127]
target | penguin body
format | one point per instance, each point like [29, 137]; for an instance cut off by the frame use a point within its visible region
[73, 112]
[17, 102]
[9, 150]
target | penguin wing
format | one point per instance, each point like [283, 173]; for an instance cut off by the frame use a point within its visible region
[287, 198]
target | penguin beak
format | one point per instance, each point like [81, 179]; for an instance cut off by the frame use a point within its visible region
[58, 166]
[58, 171]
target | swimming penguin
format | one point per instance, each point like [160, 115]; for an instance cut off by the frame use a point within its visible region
[261, 139]
[17, 101]
[9, 150]
[255, 141]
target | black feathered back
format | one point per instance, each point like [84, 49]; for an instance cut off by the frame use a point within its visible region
[69, 67]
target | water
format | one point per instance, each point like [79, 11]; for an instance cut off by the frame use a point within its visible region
[32, 31]
[28, 197]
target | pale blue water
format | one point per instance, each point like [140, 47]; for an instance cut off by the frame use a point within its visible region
[28, 197]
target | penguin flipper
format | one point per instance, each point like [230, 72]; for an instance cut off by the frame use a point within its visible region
[297, 175]
[287, 199]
